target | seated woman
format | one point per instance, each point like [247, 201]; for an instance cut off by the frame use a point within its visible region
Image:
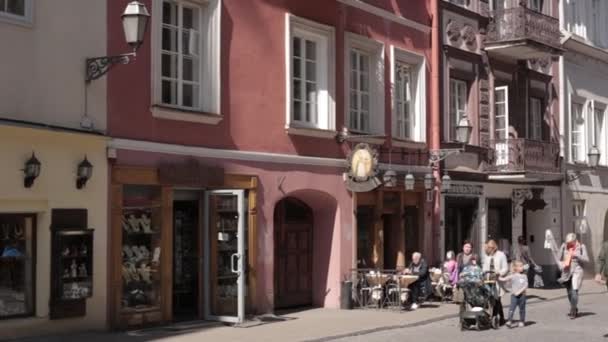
[421, 288]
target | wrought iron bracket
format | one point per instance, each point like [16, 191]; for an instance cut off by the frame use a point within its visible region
[436, 156]
[99, 66]
[573, 176]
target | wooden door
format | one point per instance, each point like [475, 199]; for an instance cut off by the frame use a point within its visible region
[412, 232]
[293, 222]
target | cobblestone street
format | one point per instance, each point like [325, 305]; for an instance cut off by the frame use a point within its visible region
[547, 321]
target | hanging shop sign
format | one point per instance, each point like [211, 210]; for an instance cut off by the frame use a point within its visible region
[464, 189]
[362, 169]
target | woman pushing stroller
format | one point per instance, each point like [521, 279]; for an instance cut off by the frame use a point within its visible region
[496, 262]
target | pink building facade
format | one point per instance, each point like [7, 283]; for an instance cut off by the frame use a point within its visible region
[224, 138]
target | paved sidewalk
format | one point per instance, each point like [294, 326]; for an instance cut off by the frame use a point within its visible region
[307, 325]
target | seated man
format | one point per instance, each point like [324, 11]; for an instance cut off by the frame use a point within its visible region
[421, 288]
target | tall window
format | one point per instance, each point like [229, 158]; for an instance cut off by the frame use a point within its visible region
[181, 57]
[304, 78]
[186, 59]
[577, 123]
[535, 130]
[501, 113]
[599, 132]
[17, 272]
[403, 100]
[359, 90]
[458, 104]
[498, 4]
[536, 5]
[14, 7]
[310, 61]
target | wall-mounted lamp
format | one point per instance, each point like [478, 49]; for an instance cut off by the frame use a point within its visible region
[593, 158]
[134, 22]
[31, 171]
[409, 182]
[84, 172]
[463, 130]
[446, 182]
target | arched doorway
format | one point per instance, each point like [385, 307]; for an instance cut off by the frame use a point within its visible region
[293, 226]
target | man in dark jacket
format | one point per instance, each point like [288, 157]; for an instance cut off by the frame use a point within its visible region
[421, 288]
[601, 267]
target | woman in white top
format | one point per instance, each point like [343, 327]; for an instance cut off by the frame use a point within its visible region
[496, 261]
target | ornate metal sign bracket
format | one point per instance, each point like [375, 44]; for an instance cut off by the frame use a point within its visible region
[99, 66]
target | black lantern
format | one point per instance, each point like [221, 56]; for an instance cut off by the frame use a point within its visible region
[594, 157]
[84, 172]
[31, 171]
[134, 22]
[463, 130]
[446, 182]
[409, 182]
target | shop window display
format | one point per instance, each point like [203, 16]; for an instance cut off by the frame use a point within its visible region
[75, 264]
[141, 248]
[17, 246]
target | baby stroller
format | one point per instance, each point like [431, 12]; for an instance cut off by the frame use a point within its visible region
[480, 297]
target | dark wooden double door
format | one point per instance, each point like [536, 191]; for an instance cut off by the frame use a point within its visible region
[293, 223]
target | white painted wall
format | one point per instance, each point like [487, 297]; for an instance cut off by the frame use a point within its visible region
[42, 65]
[586, 77]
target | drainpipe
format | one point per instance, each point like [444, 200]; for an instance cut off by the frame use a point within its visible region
[435, 142]
[562, 127]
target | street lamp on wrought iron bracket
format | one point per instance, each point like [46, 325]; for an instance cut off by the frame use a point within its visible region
[135, 21]
[436, 156]
[99, 66]
[593, 161]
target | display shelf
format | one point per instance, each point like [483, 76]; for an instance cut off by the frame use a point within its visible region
[142, 237]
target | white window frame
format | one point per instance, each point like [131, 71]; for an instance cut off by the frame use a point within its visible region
[209, 67]
[24, 20]
[581, 149]
[598, 132]
[506, 113]
[417, 67]
[375, 50]
[324, 37]
[455, 117]
[535, 119]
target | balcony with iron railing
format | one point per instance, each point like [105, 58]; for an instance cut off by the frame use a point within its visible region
[522, 33]
[523, 156]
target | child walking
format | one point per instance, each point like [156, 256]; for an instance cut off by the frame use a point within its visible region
[519, 285]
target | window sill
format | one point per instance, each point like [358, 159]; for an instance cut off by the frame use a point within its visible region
[16, 20]
[411, 144]
[169, 113]
[376, 139]
[311, 132]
